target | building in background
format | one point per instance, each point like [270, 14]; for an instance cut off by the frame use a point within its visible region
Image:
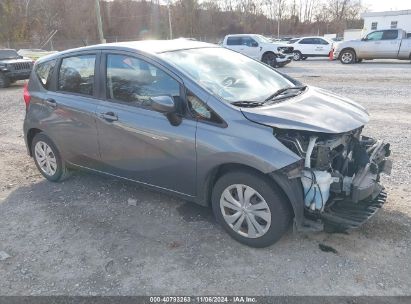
[353, 34]
[386, 20]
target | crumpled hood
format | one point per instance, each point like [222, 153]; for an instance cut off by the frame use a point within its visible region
[314, 110]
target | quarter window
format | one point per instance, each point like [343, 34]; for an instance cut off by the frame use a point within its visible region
[77, 74]
[200, 110]
[374, 26]
[134, 81]
[44, 72]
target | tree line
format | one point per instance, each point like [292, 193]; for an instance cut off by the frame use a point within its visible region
[67, 23]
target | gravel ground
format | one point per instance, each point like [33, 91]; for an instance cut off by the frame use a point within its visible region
[93, 235]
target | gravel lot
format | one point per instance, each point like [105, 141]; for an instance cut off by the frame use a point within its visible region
[93, 235]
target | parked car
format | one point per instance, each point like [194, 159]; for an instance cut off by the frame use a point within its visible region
[260, 48]
[305, 47]
[13, 67]
[34, 54]
[211, 126]
[381, 44]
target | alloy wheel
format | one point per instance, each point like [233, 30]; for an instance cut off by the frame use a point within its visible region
[245, 211]
[45, 158]
[347, 57]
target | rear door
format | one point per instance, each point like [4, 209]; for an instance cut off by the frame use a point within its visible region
[137, 142]
[69, 107]
[390, 44]
[306, 46]
[322, 47]
[235, 43]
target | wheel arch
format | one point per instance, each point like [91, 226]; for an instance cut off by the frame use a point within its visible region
[30, 135]
[348, 49]
[267, 52]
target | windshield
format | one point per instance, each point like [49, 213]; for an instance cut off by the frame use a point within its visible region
[228, 74]
[262, 39]
[8, 54]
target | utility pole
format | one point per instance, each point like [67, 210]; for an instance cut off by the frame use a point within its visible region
[278, 19]
[99, 23]
[169, 19]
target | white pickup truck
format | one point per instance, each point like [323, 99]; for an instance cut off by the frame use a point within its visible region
[260, 48]
[381, 44]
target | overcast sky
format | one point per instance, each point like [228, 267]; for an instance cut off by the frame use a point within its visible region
[387, 5]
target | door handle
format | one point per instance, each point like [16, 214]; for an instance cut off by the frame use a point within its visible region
[109, 116]
[51, 102]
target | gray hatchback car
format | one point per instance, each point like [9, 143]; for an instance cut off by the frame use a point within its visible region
[211, 126]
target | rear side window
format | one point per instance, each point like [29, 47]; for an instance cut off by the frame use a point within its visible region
[307, 41]
[134, 81]
[76, 74]
[234, 41]
[44, 72]
[390, 35]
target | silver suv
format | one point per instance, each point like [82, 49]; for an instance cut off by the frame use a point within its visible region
[211, 126]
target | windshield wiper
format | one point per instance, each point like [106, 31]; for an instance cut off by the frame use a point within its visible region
[246, 103]
[283, 90]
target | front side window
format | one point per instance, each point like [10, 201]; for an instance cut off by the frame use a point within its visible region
[134, 81]
[227, 74]
[44, 72]
[375, 36]
[248, 41]
[374, 25]
[77, 74]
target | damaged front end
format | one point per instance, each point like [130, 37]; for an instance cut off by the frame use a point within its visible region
[339, 174]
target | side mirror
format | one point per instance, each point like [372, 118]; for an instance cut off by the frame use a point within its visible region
[254, 44]
[364, 39]
[163, 104]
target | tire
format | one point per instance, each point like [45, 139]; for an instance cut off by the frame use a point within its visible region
[53, 167]
[4, 81]
[297, 56]
[270, 58]
[347, 57]
[274, 208]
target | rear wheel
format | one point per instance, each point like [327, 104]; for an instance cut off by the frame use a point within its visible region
[4, 81]
[270, 59]
[251, 208]
[347, 57]
[297, 55]
[47, 158]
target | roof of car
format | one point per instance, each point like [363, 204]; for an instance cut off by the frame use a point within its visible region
[146, 46]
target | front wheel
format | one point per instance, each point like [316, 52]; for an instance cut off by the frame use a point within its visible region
[47, 158]
[347, 57]
[251, 208]
[270, 59]
[297, 55]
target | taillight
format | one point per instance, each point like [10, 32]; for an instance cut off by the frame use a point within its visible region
[26, 95]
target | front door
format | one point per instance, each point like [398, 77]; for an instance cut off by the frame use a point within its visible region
[251, 47]
[370, 47]
[137, 142]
